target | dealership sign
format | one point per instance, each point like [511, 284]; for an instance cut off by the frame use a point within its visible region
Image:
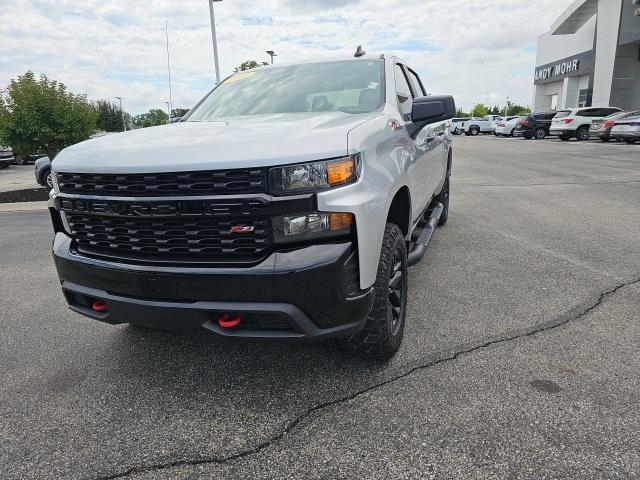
[581, 64]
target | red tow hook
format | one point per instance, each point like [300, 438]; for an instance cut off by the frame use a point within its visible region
[226, 321]
[99, 306]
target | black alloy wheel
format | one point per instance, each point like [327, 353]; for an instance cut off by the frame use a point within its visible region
[398, 286]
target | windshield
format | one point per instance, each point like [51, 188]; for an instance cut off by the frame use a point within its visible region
[352, 86]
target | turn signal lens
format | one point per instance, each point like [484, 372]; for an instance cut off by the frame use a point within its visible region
[340, 221]
[341, 171]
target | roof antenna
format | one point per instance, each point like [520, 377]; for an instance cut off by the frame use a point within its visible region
[359, 52]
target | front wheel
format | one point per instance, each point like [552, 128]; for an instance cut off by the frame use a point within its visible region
[48, 179]
[20, 160]
[473, 131]
[382, 334]
[541, 133]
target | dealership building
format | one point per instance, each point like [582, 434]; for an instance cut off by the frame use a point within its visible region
[590, 58]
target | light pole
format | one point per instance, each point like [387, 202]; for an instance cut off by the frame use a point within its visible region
[506, 108]
[272, 54]
[168, 109]
[214, 40]
[124, 125]
[166, 31]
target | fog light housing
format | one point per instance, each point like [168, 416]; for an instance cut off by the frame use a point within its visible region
[302, 227]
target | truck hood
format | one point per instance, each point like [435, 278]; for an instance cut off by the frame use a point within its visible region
[261, 140]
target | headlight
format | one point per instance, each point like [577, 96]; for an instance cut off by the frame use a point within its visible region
[313, 177]
[301, 227]
[54, 180]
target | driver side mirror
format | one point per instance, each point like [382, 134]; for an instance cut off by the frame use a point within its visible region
[433, 109]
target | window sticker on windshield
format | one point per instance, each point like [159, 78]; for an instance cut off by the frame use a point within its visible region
[240, 76]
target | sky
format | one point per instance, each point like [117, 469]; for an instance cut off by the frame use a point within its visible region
[478, 51]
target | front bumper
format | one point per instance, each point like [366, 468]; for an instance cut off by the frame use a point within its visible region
[309, 293]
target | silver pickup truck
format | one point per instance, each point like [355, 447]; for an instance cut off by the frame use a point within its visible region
[287, 204]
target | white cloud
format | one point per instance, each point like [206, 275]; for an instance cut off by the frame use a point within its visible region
[477, 51]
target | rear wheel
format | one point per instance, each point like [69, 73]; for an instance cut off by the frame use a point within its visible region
[382, 334]
[473, 131]
[512, 133]
[583, 133]
[541, 133]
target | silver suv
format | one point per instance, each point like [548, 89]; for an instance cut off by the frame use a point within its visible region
[287, 204]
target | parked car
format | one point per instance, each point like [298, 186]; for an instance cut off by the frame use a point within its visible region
[43, 172]
[535, 125]
[30, 158]
[602, 128]
[576, 122]
[507, 127]
[627, 129]
[6, 157]
[475, 126]
[279, 213]
[456, 125]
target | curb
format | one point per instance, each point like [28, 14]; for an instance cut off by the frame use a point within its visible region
[23, 207]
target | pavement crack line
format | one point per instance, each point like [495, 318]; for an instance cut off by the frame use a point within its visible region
[574, 314]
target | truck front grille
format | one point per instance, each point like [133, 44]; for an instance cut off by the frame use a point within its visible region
[208, 231]
[217, 182]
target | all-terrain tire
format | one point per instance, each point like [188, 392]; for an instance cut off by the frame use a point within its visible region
[382, 334]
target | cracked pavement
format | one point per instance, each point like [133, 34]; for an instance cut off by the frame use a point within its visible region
[520, 356]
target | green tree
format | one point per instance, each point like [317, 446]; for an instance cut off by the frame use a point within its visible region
[38, 114]
[110, 117]
[152, 118]
[179, 112]
[479, 110]
[248, 65]
[461, 114]
[515, 109]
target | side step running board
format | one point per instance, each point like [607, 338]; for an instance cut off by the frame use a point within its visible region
[420, 247]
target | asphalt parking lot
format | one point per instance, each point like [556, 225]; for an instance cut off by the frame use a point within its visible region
[520, 357]
[17, 177]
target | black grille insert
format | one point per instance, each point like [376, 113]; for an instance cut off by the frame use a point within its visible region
[218, 182]
[192, 230]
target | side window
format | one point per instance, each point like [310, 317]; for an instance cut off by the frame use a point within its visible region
[416, 83]
[405, 99]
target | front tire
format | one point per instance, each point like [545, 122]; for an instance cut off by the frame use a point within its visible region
[382, 334]
[20, 160]
[541, 133]
[473, 131]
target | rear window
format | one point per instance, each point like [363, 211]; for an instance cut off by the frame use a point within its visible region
[563, 114]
